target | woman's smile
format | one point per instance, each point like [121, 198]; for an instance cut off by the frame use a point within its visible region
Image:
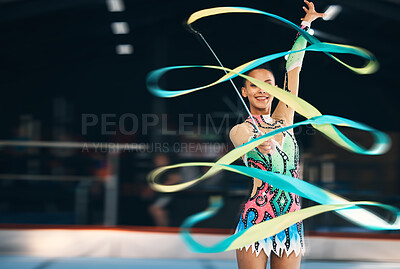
[261, 98]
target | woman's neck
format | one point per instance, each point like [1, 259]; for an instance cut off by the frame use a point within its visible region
[257, 112]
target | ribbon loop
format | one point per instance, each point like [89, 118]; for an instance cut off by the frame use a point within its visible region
[323, 123]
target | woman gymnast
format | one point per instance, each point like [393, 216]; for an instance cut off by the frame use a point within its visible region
[279, 154]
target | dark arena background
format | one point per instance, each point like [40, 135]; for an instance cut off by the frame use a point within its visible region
[80, 131]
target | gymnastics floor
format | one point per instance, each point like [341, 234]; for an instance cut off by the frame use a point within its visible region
[70, 247]
[17, 262]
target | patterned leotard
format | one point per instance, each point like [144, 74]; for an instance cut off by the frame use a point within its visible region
[269, 202]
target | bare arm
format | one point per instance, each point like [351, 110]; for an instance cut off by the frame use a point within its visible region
[293, 66]
[241, 134]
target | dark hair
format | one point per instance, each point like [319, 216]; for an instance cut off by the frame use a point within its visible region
[261, 66]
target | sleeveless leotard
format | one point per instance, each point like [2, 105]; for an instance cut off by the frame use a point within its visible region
[267, 202]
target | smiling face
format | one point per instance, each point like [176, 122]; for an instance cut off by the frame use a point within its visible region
[260, 101]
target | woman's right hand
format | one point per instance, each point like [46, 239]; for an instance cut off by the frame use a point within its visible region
[267, 147]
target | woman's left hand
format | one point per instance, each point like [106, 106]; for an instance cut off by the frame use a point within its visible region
[311, 14]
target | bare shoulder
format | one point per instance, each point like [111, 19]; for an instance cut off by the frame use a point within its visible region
[239, 129]
[240, 133]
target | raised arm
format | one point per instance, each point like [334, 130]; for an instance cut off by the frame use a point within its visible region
[294, 63]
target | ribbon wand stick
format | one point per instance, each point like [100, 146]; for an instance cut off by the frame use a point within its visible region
[220, 63]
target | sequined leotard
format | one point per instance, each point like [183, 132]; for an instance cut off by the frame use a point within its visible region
[267, 202]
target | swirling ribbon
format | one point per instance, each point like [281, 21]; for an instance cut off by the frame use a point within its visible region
[323, 123]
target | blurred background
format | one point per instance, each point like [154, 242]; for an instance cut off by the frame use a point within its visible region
[80, 131]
